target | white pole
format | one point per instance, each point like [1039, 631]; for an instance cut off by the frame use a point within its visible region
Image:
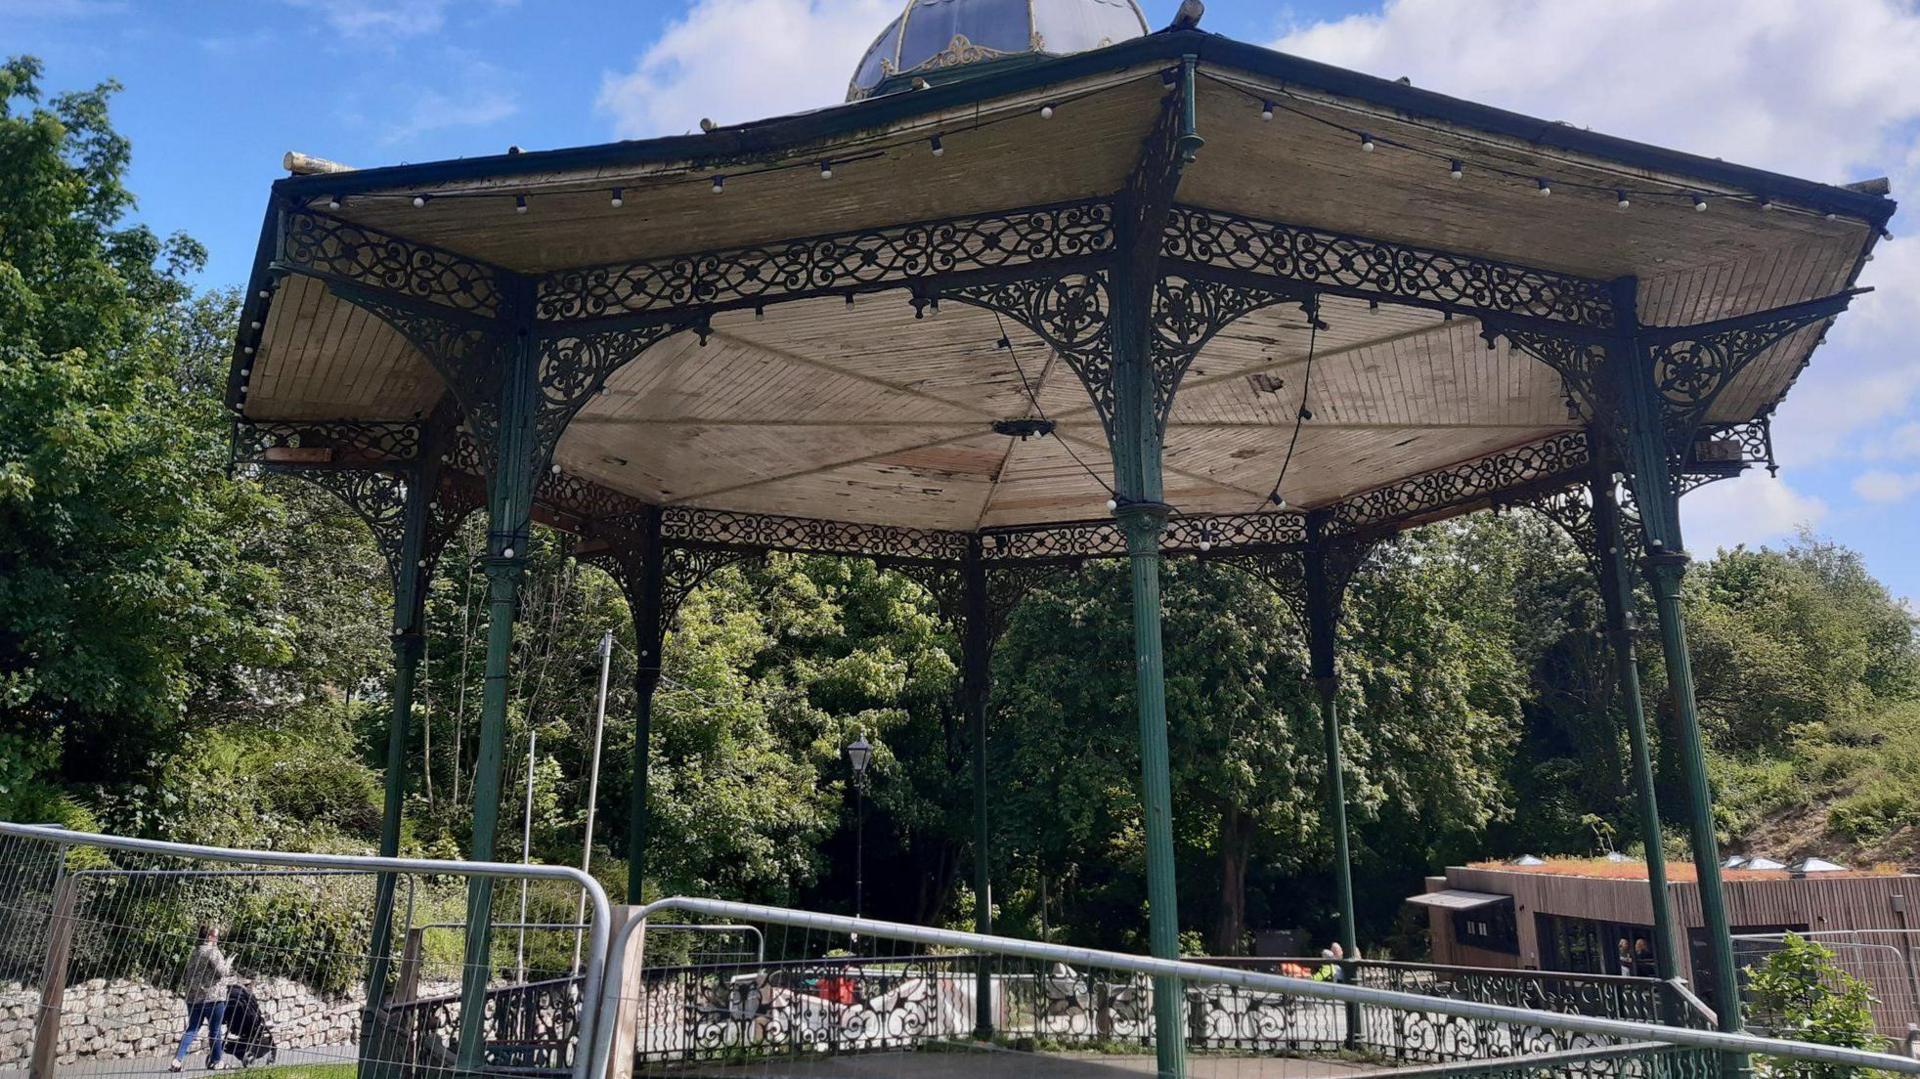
[526, 856]
[593, 787]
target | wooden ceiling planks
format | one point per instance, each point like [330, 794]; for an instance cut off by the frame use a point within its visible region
[322, 358]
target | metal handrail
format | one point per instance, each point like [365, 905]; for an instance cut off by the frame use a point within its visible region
[595, 1035]
[1624, 1029]
[1438, 968]
[1693, 1002]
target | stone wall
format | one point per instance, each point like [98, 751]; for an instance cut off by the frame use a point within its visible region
[107, 1020]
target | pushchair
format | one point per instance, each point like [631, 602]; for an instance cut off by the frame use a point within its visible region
[249, 1035]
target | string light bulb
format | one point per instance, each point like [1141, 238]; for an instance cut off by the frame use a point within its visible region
[1046, 112]
[1266, 111]
[333, 202]
[1621, 200]
[1366, 143]
[1699, 203]
[719, 185]
[826, 170]
[419, 201]
[1454, 169]
[934, 144]
[1766, 204]
[1279, 503]
[519, 204]
[1545, 188]
[1113, 504]
[617, 200]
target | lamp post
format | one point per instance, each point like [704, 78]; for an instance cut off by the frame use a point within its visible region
[858, 755]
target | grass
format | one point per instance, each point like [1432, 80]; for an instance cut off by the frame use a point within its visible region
[308, 1071]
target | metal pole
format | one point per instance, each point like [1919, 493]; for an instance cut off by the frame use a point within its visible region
[1646, 438]
[1322, 645]
[1617, 598]
[526, 858]
[593, 785]
[859, 841]
[509, 519]
[975, 645]
[409, 644]
[645, 582]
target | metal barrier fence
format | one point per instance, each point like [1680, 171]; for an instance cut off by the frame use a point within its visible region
[94, 932]
[834, 986]
[1887, 960]
[97, 934]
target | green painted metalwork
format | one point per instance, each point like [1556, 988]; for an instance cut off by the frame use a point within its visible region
[1645, 436]
[515, 458]
[1617, 597]
[1323, 623]
[976, 643]
[645, 583]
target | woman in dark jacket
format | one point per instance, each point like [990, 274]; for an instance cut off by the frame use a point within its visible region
[205, 985]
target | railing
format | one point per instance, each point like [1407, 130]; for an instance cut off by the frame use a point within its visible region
[531, 1029]
[906, 993]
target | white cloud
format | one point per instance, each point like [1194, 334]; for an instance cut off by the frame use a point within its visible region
[1814, 89]
[1880, 485]
[383, 20]
[737, 60]
[1753, 509]
[1820, 90]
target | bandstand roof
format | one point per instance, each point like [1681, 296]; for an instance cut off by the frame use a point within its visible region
[822, 392]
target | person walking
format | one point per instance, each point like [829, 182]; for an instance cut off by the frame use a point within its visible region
[205, 984]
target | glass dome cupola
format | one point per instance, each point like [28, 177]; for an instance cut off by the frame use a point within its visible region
[932, 37]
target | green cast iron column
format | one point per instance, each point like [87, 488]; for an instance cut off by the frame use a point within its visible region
[409, 610]
[1646, 445]
[1322, 643]
[1617, 598]
[649, 636]
[1143, 517]
[509, 517]
[975, 646]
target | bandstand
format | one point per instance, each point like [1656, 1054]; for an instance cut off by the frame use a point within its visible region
[1044, 291]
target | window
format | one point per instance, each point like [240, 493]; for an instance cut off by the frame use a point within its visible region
[1590, 946]
[1490, 928]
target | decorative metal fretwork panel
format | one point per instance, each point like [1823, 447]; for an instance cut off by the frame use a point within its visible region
[688, 525]
[573, 368]
[1469, 481]
[1187, 313]
[333, 250]
[585, 500]
[469, 358]
[380, 500]
[1359, 266]
[1571, 509]
[1070, 312]
[1197, 533]
[347, 441]
[1064, 542]
[1581, 363]
[1285, 572]
[825, 265]
[1731, 448]
[687, 568]
[1692, 366]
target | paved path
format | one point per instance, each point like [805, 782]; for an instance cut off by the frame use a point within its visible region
[196, 1063]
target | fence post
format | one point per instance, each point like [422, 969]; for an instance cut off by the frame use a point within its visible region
[631, 1003]
[53, 975]
[407, 985]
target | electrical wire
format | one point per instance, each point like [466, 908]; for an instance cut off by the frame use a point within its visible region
[1300, 415]
[1033, 398]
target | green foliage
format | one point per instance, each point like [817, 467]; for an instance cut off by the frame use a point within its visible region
[1802, 994]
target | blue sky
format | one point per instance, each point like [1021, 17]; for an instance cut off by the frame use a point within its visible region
[217, 90]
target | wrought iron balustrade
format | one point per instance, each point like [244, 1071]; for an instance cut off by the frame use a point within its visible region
[532, 1028]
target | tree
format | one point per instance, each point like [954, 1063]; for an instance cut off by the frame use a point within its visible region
[123, 586]
[1801, 993]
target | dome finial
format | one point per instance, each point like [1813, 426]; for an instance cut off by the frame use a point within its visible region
[941, 40]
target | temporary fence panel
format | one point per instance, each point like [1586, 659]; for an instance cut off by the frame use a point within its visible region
[97, 934]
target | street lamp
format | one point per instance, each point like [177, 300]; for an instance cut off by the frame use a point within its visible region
[859, 755]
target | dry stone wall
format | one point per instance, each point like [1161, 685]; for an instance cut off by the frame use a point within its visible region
[113, 1020]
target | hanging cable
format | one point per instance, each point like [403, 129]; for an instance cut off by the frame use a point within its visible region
[1033, 398]
[1300, 415]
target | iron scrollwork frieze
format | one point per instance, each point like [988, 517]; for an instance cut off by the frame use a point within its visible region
[363, 442]
[1721, 451]
[1446, 488]
[690, 526]
[1188, 312]
[338, 251]
[1692, 366]
[1377, 268]
[829, 264]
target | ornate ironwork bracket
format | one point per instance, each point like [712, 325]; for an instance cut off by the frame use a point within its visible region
[379, 499]
[1550, 463]
[322, 444]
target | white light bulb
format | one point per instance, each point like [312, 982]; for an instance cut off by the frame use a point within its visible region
[1366, 144]
[1624, 202]
[1046, 112]
[1699, 204]
[1206, 545]
[1266, 110]
[556, 469]
[719, 185]
[826, 170]
[333, 202]
[617, 201]
[1112, 504]
[1544, 189]
[508, 553]
[419, 201]
[1455, 171]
